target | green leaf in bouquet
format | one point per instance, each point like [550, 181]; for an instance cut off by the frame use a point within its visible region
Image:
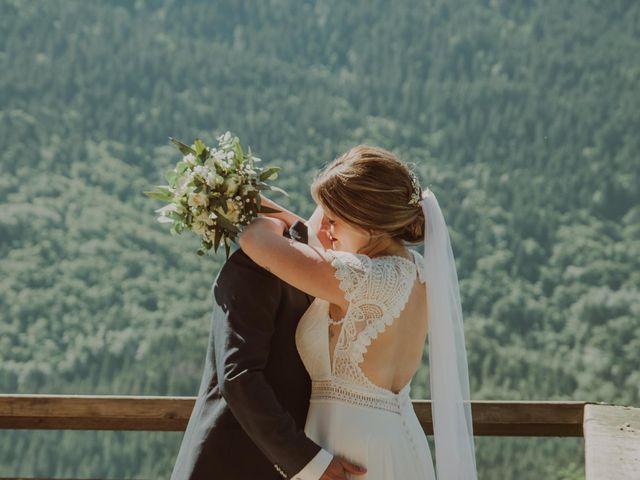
[225, 223]
[237, 150]
[181, 168]
[267, 173]
[160, 193]
[266, 186]
[216, 239]
[264, 209]
[199, 146]
[185, 149]
[227, 248]
[171, 176]
[200, 252]
[277, 189]
[179, 226]
[201, 150]
[250, 157]
[217, 202]
[175, 216]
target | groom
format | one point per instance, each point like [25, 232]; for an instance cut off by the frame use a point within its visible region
[249, 416]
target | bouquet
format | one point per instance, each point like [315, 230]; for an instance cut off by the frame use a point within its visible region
[214, 192]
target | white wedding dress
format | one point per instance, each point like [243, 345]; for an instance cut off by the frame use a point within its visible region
[349, 415]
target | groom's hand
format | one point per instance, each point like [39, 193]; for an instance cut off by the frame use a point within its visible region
[339, 467]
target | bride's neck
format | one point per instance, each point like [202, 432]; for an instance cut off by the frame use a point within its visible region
[394, 248]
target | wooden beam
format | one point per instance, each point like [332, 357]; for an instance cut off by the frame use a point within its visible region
[96, 412]
[611, 442]
[516, 418]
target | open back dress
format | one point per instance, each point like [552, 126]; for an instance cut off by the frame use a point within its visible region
[350, 415]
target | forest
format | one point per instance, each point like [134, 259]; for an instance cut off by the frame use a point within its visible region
[522, 117]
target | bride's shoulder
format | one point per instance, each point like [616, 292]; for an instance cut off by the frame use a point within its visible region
[363, 261]
[348, 258]
[356, 268]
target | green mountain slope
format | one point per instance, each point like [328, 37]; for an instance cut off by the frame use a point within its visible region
[523, 117]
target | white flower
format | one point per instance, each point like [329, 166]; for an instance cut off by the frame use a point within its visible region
[204, 218]
[219, 159]
[210, 162]
[219, 155]
[182, 184]
[213, 179]
[233, 211]
[189, 159]
[246, 188]
[232, 182]
[199, 228]
[172, 207]
[225, 137]
[199, 199]
[164, 213]
[201, 170]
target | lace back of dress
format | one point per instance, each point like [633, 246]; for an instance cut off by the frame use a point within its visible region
[377, 290]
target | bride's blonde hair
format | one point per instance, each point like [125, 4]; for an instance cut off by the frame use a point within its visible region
[370, 188]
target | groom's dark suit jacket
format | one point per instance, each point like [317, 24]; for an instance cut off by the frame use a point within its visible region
[249, 416]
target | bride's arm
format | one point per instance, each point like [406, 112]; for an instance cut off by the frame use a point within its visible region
[305, 266]
[285, 215]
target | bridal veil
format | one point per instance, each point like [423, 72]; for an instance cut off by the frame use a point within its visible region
[450, 403]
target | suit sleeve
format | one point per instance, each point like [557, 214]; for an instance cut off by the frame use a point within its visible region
[247, 302]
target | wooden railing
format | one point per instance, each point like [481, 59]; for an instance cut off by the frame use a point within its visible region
[612, 433]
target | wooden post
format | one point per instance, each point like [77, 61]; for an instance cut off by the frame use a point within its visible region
[611, 442]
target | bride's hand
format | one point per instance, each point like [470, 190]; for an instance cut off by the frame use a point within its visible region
[339, 467]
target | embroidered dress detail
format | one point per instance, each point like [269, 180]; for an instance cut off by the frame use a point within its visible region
[332, 390]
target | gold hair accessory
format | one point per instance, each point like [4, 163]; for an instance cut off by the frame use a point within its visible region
[417, 191]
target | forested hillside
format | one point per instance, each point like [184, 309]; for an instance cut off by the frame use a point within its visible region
[522, 116]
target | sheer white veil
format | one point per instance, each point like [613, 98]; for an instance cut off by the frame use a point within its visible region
[450, 402]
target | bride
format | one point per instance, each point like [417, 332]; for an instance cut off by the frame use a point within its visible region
[376, 300]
